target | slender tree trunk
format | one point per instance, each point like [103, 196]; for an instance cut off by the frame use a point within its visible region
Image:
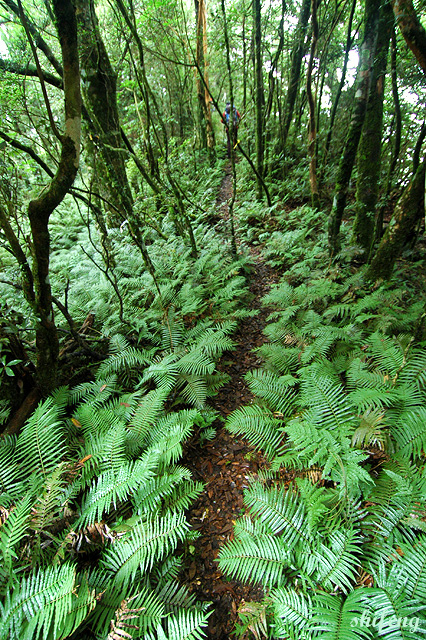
[411, 28]
[347, 159]
[397, 140]
[418, 147]
[408, 211]
[312, 120]
[205, 118]
[243, 35]
[341, 83]
[260, 99]
[369, 152]
[296, 65]
[231, 131]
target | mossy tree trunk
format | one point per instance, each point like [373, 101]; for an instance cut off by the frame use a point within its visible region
[348, 156]
[411, 29]
[369, 151]
[408, 211]
[35, 278]
[100, 96]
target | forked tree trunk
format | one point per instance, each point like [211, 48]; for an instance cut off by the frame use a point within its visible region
[369, 152]
[408, 211]
[347, 159]
[36, 284]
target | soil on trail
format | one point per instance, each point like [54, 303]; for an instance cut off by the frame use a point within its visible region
[226, 463]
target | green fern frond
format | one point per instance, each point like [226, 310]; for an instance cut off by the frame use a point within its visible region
[178, 422]
[388, 352]
[358, 374]
[396, 609]
[258, 425]
[139, 613]
[187, 625]
[147, 544]
[281, 511]
[414, 372]
[12, 532]
[196, 363]
[338, 563]
[256, 557]
[40, 605]
[147, 413]
[10, 472]
[173, 332]
[41, 444]
[183, 496]
[163, 371]
[193, 389]
[292, 612]
[129, 359]
[372, 431]
[113, 487]
[277, 391]
[51, 501]
[150, 495]
[280, 359]
[410, 433]
[338, 618]
[96, 392]
[328, 404]
[411, 568]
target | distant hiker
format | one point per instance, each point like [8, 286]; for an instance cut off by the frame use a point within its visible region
[226, 120]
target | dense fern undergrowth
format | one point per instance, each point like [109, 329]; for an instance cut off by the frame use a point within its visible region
[340, 403]
[93, 496]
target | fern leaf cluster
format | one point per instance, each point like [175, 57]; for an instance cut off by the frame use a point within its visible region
[92, 481]
[341, 393]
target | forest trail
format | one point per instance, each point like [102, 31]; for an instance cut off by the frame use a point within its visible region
[225, 464]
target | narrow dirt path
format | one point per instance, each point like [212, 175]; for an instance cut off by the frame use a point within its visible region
[225, 463]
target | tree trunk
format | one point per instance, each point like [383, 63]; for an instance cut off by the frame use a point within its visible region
[35, 279]
[230, 132]
[418, 147]
[296, 64]
[260, 100]
[100, 94]
[341, 83]
[205, 118]
[347, 159]
[369, 152]
[411, 28]
[408, 211]
[312, 120]
[397, 141]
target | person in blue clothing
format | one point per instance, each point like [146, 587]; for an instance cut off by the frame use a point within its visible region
[226, 116]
